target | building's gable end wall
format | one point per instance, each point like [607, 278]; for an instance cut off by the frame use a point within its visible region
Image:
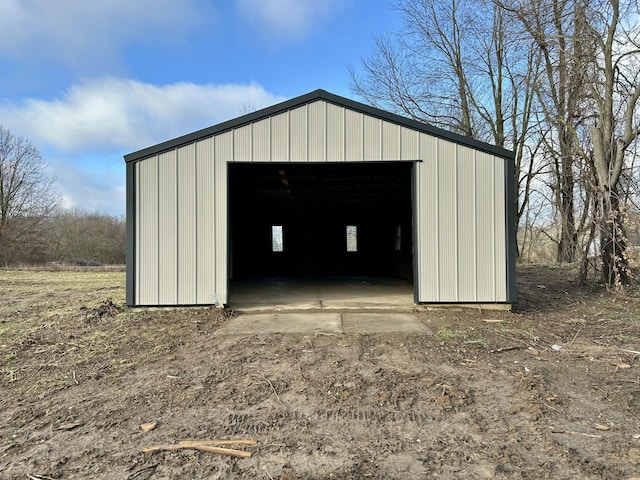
[181, 200]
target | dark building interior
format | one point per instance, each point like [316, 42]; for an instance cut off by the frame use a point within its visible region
[315, 207]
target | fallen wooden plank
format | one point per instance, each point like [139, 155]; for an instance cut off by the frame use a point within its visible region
[206, 446]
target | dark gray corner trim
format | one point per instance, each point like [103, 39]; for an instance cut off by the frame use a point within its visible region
[131, 234]
[511, 231]
[309, 98]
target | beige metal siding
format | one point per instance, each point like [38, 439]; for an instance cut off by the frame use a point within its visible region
[460, 226]
[317, 131]
[298, 138]
[243, 144]
[485, 234]
[390, 141]
[409, 143]
[187, 231]
[147, 231]
[465, 188]
[354, 147]
[372, 138]
[205, 222]
[335, 133]
[280, 137]
[167, 229]
[447, 222]
[223, 152]
[426, 210]
[261, 141]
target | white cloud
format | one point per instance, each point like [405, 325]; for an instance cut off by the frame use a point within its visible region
[90, 190]
[76, 31]
[84, 134]
[114, 113]
[288, 19]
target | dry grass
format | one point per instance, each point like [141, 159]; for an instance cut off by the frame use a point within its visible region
[78, 318]
[71, 353]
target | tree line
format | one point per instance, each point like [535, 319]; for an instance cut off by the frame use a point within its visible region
[71, 237]
[34, 228]
[556, 81]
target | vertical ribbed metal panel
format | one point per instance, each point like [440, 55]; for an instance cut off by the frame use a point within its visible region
[372, 138]
[147, 232]
[317, 132]
[223, 154]
[187, 233]
[335, 133]
[409, 142]
[501, 249]
[280, 137]
[242, 145]
[298, 126]
[205, 222]
[261, 141]
[167, 229]
[485, 231]
[447, 225]
[466, 217]
[425, 221]
[354, 150]
[390, 141]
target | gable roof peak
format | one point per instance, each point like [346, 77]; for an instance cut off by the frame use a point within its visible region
[315, 95]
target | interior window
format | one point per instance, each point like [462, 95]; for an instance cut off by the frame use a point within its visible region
[352, 238]
[277, 240]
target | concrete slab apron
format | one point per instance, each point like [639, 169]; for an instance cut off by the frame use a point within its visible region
[320, 322]
[382, 323]
[283, 323]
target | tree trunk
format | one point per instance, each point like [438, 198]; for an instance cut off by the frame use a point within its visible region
[568, 242]
[613, 241]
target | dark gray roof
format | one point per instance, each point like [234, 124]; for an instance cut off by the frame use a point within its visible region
[309, 98]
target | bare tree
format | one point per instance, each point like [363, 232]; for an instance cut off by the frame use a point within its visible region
[460, 65]
[26, 199]
[556, 29]
[87, 238]
[615, 91]
[592, 63]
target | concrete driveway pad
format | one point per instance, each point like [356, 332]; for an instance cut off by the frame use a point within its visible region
[323, 322]
[382, 323]
[316, 322]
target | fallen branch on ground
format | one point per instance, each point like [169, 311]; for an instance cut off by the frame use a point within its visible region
[629, 351]
[206, 446]
[506, 349]
[568, 432]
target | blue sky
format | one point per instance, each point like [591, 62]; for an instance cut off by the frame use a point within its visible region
[88, 81]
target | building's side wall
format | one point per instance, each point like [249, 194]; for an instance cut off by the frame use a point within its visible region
[181, 201]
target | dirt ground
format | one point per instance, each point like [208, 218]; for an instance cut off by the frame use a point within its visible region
[550, 390]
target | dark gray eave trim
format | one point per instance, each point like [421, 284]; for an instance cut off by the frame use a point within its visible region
[309, 98]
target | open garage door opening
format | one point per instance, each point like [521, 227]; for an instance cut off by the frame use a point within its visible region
[301, 224]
